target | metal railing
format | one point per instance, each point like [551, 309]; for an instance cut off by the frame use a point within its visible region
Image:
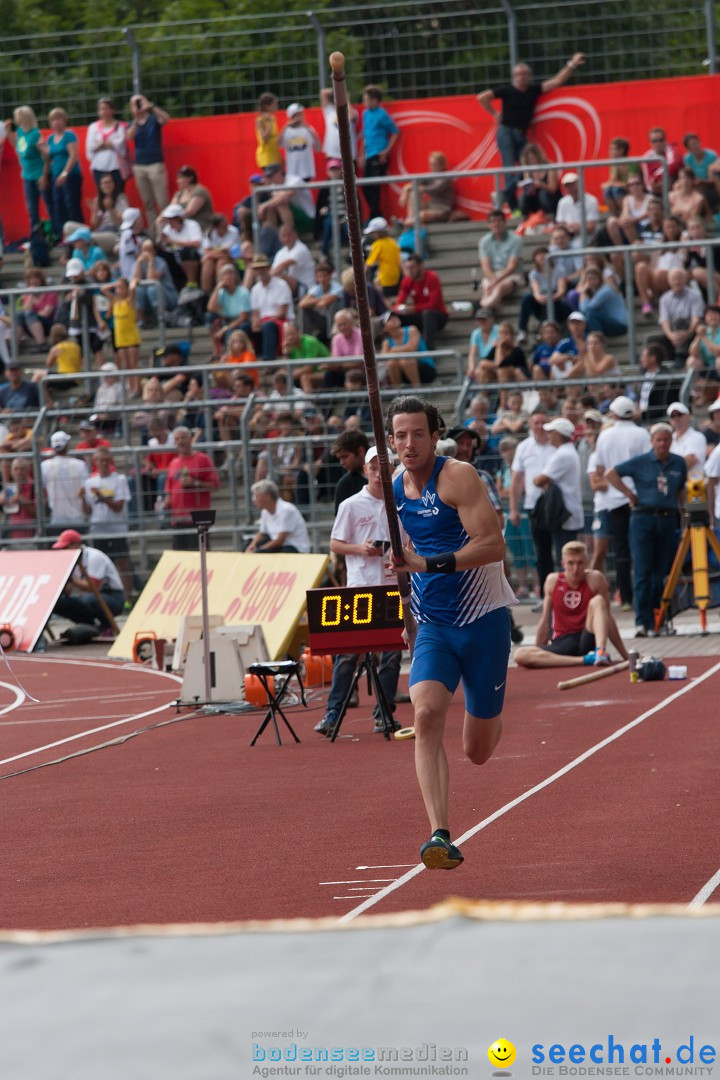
[496, 174]
[414, 49]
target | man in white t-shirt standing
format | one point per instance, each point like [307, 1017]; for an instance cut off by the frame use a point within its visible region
[62, 479]
[563, 469]
[361, 535]
[531, 457]
[299, 141]
[331, 139]
[78, 602]
[282, 527]
[616, 444]
[294, 262]
[687, 441]
[272, 305]
[106, 495]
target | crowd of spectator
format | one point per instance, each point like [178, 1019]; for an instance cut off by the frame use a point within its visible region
[263, 297]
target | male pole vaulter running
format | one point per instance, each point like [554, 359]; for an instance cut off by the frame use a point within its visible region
[460, 599]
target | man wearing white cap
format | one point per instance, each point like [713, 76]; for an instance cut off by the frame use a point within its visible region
[568, 211]
[361, 535]
[615, 444]
[563, 470]
[712, 472]
[130, 241]
[62, 479]
[531, 457]
[299, 141]
[687, 441]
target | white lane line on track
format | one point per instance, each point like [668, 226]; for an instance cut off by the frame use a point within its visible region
[107, 665]
[706, 892]
[19, 698]
[82, 734]
[382, 893]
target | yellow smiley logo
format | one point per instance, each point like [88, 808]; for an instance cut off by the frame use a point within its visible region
[501, 1054]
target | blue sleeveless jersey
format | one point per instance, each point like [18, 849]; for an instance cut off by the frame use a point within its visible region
[435, 529]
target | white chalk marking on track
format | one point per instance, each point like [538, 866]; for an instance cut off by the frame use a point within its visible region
[707, 890]
[389, 866]
[19, 698]
[82, 734]
[359, 881]
[382, 893]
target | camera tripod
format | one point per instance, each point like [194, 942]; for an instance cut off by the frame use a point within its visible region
[697, 538]
[368, 666]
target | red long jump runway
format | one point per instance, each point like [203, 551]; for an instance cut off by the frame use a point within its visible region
[186, 822]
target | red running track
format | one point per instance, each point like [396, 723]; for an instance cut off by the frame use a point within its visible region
[186, 822]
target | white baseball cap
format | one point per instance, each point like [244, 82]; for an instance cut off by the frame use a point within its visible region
[74, 268]
[677, 406]
[576, 316]
[715, 405]
[372, 453]
[562, 425]
[59, 440]
[173, 210]
[375, 225]
[130, 215]
[622, 407]
[294, 109]
[569, 178]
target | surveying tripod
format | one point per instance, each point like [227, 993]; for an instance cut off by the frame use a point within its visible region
[697, 537]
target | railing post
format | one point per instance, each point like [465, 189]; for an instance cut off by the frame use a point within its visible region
[512, 31]
[710, 36]
[335, 226]
[630, 305]
[417, 227]
[321, 49]
[135, 52]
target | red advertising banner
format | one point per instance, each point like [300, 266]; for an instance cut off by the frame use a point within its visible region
[30, 584]
[572, 124]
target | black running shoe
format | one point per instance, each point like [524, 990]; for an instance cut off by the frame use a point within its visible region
[440, 854]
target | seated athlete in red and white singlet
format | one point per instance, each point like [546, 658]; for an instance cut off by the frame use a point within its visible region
[576, 621]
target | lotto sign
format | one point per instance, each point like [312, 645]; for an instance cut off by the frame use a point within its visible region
[30, 584]
[244, 590]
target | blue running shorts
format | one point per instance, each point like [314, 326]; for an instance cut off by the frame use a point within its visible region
[477, 653]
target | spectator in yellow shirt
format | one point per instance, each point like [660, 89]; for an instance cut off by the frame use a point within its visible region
[65, 357]
[385, 255]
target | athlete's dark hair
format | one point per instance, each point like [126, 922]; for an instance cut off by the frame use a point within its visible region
[407, 403]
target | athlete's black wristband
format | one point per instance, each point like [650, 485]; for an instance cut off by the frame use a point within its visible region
[440, 564]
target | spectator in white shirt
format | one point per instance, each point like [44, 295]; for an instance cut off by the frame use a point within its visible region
[681, 312]
[687, 441]
[282, 527]
[62, 478]
[105, 496]
[568, 209]
[294, 263]
[106, 145]
[614, 445]
[272, 305]
[563, 469]
[299, 141]
[712, 472]
[184, 238]
[531, 457]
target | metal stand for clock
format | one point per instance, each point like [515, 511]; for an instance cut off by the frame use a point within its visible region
[368, 666]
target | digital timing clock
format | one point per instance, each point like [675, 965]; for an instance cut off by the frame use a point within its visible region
[364, 618]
